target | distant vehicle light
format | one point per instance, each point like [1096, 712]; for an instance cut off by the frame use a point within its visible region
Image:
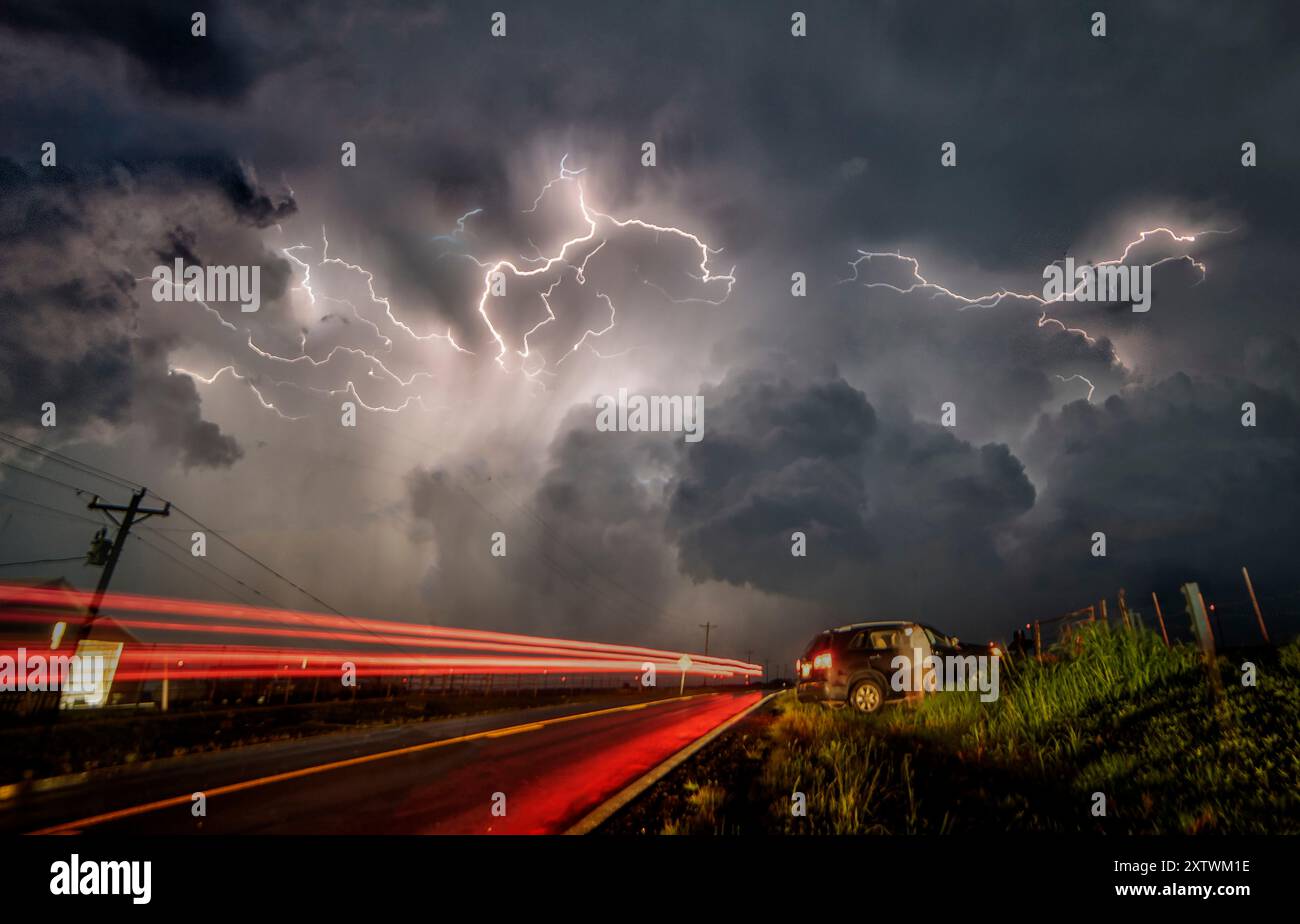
[822, 662]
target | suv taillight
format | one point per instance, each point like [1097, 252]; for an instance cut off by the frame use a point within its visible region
[822, 662]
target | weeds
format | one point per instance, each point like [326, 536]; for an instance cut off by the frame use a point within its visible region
[1121, 714]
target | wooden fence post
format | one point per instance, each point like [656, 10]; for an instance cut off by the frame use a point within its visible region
[1161, 617]
[1255, 603]
[1200, 618]
[1123, 610]
[1205, 635]
[1038, 639]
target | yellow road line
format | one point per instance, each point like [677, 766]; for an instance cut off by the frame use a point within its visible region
[515, 730]
[72, 827]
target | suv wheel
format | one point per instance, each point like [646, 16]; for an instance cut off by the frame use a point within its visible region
[867, 696]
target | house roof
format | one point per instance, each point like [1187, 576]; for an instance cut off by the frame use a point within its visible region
[15, 628]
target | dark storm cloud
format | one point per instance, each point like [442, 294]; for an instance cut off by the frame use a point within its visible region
[180, 246]
[791, 155]
[1040, 112]
[872, 494]
[251, 203]
[1274, 363]
[169, 406]
[585, 550]
[154, 36]
[1182, 490]
[1000, 365]
[69, 297]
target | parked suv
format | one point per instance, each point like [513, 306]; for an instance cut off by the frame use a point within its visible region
[852, 664]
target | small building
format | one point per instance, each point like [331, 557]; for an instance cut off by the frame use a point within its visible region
[49, 627]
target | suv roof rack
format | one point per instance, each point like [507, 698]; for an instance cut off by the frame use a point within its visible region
[879, 622]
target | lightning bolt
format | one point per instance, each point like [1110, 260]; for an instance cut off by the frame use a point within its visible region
[388, 306]
[1082, 378]
[458, 235]
[211, 379]
[221, 318]
[573, 255]
[991, 299]
[542, 264]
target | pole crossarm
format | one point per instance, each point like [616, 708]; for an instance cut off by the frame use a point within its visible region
[132, 513]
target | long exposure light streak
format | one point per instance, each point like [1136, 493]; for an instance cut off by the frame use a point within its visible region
[306, 640]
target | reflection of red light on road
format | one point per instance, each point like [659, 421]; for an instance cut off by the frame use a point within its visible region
[560, 767]
[604, 760]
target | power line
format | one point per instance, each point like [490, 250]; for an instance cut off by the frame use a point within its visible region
[106, 554]
[62, 484]
[195, 520]
[86, 468]
[219, 570]
[139, 489]
[139, 492]
[191, 568]
[64, 513]
[39, 561]
[582, 583]
[69, 461]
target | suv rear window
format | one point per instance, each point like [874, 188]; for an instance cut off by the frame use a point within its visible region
[819, 643]
[889, 638]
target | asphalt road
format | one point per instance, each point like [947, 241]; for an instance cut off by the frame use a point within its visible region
[552, 766]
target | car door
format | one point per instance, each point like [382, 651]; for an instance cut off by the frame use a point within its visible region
[940, 644]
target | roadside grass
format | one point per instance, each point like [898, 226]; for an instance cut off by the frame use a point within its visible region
[1118, 714]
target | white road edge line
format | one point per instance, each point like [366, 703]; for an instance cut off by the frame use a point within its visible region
[602, 812]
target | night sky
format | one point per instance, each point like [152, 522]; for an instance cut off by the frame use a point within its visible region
[779, 155]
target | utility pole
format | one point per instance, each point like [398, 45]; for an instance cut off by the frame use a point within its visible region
[132, 513]
[706, 626]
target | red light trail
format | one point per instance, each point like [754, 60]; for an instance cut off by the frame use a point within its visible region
[392, 648]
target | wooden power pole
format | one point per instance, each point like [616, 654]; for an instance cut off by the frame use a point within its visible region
[132, 513]
[706, 626]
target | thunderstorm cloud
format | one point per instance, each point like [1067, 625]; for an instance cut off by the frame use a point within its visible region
[774, 156]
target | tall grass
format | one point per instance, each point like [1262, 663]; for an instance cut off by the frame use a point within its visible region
[1114, 712]
[1105, 671]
